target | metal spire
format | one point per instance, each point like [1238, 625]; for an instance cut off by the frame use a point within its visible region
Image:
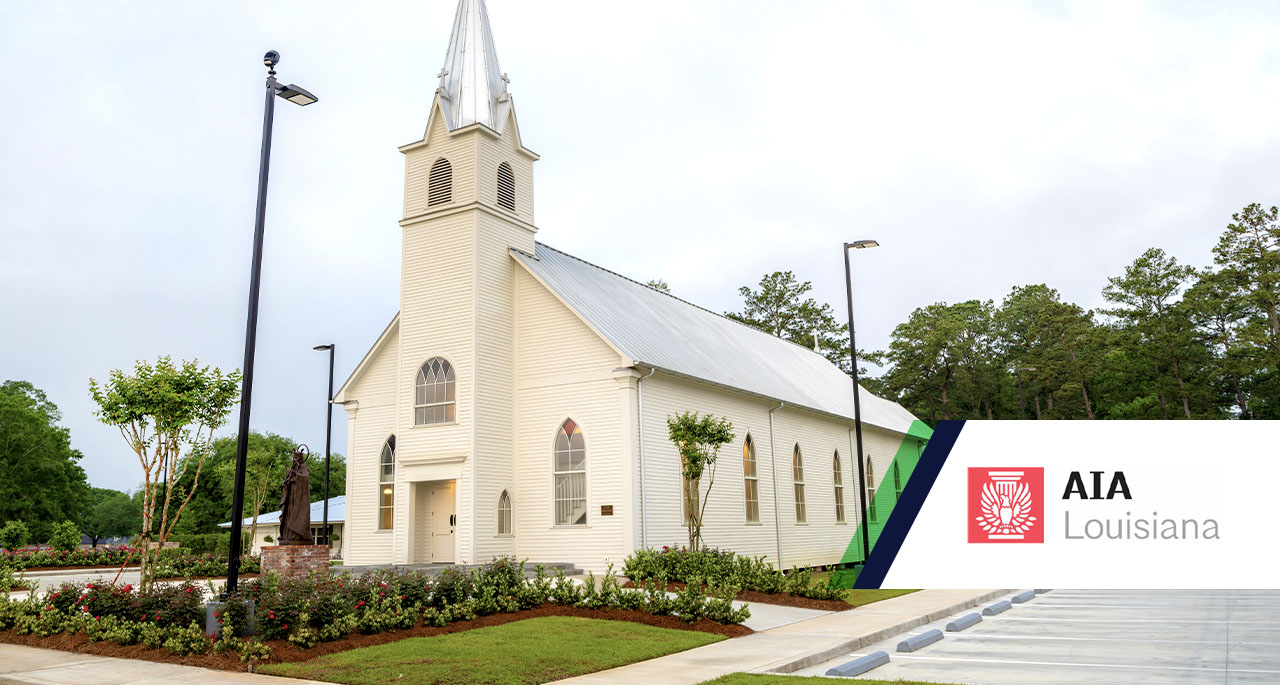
[473, 88]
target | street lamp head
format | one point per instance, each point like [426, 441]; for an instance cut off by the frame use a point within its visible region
[321, 348]
[861, 244]
[296, 94]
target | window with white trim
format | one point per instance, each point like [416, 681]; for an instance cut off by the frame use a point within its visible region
[504, 513]
[837, 477]
[869, 483]
[797, 477]
[750, 481]
[387, 484]
[570, 475]
[897, 483]
[317, 535]
[434, 393]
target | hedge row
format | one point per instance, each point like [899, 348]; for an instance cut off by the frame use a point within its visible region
[723, 569]
[174, 563]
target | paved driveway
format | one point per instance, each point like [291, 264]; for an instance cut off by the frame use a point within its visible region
[1102, 636]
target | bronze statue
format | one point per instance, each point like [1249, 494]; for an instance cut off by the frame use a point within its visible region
[295, 502]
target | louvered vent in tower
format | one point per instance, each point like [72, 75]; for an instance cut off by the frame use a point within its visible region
[440, 186]
[506, 187]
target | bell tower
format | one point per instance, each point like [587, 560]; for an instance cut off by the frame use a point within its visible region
[468, 200]
[472, 127]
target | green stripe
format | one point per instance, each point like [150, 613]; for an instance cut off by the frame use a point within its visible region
[886, 497]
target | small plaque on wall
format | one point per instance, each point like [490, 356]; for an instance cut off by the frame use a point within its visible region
[606, 510]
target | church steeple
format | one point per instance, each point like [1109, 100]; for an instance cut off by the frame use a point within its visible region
[473, 88]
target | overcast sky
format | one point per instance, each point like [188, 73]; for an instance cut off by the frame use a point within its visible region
[985, 145]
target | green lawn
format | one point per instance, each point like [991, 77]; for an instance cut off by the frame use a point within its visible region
[859, 597]
[769, 679]
[535, 650]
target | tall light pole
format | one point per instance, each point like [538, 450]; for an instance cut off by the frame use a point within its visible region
[328, 436]
[1017, 371]
[857, 403]
[297, 96]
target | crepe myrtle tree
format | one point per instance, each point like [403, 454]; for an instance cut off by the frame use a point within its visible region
[698, 439]
[167, 415]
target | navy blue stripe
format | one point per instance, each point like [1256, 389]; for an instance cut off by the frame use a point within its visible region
[905, 511]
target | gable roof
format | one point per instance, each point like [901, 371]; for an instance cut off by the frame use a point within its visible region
[658, 330]
[337, 513]
[341, 396]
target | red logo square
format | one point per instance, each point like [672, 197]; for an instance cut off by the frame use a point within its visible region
[1006, 504]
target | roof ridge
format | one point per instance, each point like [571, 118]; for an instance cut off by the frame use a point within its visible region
[678, 299]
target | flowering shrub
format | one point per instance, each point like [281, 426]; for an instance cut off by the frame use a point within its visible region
[324, 608]
[722, 569]
[169, 616]
[165, 605]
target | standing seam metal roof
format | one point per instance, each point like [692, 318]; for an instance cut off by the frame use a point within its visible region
[337, 513]
[656, 329]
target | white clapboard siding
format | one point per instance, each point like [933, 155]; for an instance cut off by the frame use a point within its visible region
[369, 424]
[565, 371]
[821, 540]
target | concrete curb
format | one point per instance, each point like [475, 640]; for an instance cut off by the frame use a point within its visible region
[966, 621]
[860, 665]
[814, 658]
[997, 608]
[917, 642]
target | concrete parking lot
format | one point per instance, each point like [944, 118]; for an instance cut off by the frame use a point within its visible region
[1101, 636]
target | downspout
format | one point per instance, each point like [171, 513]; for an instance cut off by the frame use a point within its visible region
[773, 458]
[644, 540]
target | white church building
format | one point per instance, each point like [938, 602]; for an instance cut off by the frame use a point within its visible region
[517, 403]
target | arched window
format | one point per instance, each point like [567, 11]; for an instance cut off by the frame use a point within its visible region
[797, 477]
[433, 394]
[750, 482]
[440, 183]
[570, 470]
[506, 187]
[838, 478]
[504, 513]
[869, 483]
[387, 484]
[897, 483]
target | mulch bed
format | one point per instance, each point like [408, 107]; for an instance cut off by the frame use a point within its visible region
[283, 651]
[780, 599]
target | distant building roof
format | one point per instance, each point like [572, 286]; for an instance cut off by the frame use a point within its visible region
[337, 513]
[655, 329]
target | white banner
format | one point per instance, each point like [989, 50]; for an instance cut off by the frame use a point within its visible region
[1107, 504]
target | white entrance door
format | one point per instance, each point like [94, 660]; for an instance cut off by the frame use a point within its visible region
[444, 519]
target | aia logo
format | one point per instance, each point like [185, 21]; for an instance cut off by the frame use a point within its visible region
[1006, 505]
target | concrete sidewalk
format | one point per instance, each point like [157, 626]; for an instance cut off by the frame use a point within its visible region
[797, 645]
[20, 664]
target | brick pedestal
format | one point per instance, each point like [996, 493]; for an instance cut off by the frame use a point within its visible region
[295, 561]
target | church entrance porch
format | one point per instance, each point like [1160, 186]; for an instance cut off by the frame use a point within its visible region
[434, 518]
